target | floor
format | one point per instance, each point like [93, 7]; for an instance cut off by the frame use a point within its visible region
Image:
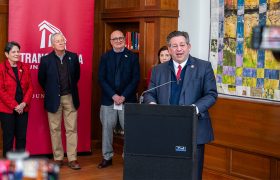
[90, 171]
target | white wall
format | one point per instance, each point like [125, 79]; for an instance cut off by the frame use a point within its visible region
[194, 18]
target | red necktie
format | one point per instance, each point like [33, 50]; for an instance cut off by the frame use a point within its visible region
[179, 72]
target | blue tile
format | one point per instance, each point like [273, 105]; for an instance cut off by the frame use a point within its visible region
[262, 19]
[238, 81]
[240, 2]
[261, 59]
[240, 27]
[229, 70]
[249, 72]
[262, 2]
[260, 82]
[271, 74]
[219, 78]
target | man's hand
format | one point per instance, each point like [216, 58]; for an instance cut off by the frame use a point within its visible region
[117, 99]
[122, 99]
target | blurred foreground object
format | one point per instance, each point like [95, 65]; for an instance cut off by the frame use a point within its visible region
[19, 166]
[267, 38]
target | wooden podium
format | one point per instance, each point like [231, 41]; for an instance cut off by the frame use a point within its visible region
[159, 142]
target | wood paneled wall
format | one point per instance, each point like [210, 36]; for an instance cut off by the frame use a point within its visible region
[3, 26]
[114, 4]
[97, 50]
[247, 139]
[3, 35]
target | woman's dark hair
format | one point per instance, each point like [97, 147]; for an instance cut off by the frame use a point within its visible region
[10, 45]
[163, 48]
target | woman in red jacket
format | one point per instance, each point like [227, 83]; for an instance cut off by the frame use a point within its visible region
[15, 95]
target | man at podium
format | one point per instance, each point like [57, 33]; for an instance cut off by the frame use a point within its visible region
[187, 81]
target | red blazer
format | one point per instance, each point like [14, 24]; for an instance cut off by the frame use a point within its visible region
[8, 86]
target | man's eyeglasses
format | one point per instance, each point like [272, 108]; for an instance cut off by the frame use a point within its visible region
[176, 46]
[116, 39]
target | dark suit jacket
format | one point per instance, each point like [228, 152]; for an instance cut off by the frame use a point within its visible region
[199, 88]
[49, 79]
[129, 74]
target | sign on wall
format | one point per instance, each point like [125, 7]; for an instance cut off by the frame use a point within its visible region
[31, 23]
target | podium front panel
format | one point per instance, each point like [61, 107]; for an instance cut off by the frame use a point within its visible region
[160, 141]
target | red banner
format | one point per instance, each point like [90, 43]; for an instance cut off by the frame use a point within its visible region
[31, 23]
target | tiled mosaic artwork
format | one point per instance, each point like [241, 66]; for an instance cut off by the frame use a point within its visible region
[239, 70]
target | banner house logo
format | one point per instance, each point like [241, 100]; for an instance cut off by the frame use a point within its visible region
[47, 29]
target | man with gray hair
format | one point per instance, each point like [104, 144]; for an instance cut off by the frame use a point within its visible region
[58, 75]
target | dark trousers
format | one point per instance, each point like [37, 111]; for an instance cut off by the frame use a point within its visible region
[200, 160]
[13, 126]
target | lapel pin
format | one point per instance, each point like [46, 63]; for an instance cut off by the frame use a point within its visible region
[192, 66]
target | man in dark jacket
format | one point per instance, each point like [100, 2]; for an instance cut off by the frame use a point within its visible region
[119, 74]
[196, 86]
[59, 73]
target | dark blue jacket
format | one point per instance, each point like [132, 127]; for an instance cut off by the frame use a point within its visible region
[199, 88]
[129, 74]
[48, 78]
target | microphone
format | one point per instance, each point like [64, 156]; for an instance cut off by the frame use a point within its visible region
[148, 90]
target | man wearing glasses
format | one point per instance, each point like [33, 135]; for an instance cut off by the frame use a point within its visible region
[195, 86]
[118, 76]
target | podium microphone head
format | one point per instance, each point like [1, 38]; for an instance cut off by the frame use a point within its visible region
[141, 98]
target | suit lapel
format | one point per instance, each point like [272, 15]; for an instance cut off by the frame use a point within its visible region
[69, 62]
[123, 58]
[53, 64]
[167, 78]
[119, 64]
[112, 62]
[10, 70]
[190, 68]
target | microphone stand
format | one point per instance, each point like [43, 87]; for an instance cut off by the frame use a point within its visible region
[141, 99]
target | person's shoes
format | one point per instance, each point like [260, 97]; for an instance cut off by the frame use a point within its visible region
[59, 162]
[74, 165]
[105, 163]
